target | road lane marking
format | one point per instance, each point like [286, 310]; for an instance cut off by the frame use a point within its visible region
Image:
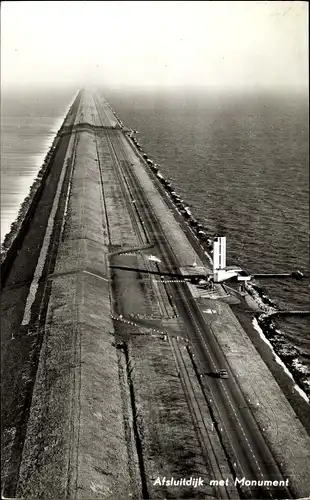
[230, 402]
[96, 275]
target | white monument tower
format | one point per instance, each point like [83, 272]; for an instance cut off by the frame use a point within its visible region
[221, 272]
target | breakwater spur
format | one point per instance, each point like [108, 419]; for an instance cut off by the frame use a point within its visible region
[112, 378]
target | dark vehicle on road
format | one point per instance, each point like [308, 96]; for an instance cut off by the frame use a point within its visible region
[223, 374]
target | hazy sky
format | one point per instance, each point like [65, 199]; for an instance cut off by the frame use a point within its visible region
[160, 43]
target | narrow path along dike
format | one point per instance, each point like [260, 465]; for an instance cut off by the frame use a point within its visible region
[19, 351]
[109, 372]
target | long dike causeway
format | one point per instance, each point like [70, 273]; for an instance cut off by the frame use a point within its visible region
[110, 363]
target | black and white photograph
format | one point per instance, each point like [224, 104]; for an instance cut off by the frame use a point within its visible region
[154, 303]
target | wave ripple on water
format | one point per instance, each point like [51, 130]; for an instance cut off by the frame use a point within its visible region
[29, 121]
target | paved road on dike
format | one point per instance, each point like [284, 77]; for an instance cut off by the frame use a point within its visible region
[251, 454]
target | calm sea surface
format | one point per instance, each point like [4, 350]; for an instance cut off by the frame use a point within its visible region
[240, 162]
[29, 121]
